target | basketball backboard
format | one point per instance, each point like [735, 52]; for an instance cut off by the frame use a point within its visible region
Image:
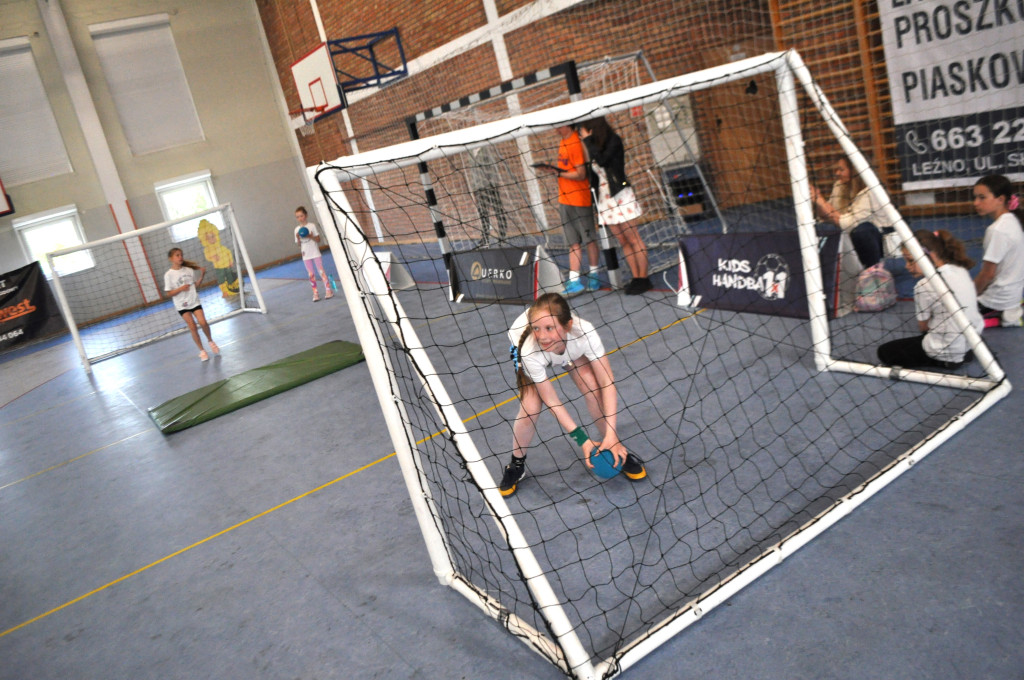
[317, 84]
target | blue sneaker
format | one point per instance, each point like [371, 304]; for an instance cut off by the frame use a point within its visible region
[574, 287]
[593, 283]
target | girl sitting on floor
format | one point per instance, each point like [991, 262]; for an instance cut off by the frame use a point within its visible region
[941, 344]
[1001, 280]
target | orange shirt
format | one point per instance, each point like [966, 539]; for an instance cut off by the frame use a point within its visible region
[570, 156]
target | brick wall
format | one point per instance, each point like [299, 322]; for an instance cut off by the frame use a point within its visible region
[676, 37]
[842, 47]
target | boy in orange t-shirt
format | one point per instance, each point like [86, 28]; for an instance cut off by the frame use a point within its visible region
[575, 209]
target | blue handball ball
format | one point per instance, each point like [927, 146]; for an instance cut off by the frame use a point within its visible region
[604, 464]
[303, 232]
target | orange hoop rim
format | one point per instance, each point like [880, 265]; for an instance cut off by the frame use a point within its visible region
[314, 110]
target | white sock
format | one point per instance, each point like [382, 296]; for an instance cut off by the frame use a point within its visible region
[573, 275]
[593, 270]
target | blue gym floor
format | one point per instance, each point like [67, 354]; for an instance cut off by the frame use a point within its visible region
[278, 541]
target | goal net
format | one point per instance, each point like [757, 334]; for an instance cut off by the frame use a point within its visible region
[111, 290]
[759, 407]
[506, 202]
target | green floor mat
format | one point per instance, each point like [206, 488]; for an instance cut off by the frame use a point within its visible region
[243, 389]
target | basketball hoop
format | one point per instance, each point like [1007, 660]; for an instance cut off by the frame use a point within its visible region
[303, 119]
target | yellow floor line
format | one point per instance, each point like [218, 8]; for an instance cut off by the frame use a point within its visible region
[51, 407]
[72, 460]
[265, 512]
[190, 547]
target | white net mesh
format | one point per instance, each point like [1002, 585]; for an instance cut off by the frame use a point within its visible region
[117, 304]
[516, 206]
[759, 425]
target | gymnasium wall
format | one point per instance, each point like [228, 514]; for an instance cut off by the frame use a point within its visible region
[81, 187]
[675, 37]
[840, 41]
[248, 146]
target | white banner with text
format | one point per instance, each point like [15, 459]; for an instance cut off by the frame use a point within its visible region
[956, 73]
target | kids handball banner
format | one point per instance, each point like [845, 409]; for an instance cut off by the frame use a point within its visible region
[27, 308]
[762, 273]
[956, 73]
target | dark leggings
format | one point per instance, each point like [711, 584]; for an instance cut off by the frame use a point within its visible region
[989, 313]
[867, 241]
[909, 353]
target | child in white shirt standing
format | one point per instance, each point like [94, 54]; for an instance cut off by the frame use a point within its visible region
[181, 282]
[308, 237]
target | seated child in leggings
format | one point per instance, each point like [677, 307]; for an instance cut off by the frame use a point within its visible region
[941, 343]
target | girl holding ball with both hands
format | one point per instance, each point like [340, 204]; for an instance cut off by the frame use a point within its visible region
[1001, 280]
[545, 335]
[307, 236]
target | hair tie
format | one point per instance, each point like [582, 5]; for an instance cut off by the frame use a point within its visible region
[1014, 203]
[935, 233]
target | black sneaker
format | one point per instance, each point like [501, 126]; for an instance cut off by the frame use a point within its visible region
[632, 468]
[639, 286]
[514, 471]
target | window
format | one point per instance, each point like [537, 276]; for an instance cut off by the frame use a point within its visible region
[184, 196]
[54, 230]
[142, 68]
[32, 147]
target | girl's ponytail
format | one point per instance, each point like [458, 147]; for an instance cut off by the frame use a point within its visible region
[948, 247]
[184, 263]
[523, 381]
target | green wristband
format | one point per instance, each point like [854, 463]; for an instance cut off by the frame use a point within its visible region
[579, 435]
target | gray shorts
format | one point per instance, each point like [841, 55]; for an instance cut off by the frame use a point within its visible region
[577, 223]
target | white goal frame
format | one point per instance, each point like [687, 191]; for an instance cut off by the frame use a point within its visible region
[240, 252]
[365, 278]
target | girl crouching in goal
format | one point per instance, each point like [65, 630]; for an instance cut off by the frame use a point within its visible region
[941, 344]
[545, 335]
[181, 282]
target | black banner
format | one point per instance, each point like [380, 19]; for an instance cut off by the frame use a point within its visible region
[27, 308]
[499, 274]
[962, 148]
[756, 272]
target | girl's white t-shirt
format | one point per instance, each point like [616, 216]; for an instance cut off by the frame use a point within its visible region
[944, 340]
[310, 248]
[863, 208]
[176, 278]
[582, 341]
[1004, 247]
